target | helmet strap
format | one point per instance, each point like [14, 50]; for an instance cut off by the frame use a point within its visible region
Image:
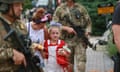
[13, 13]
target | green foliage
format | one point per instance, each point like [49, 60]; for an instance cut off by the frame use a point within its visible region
[98, 22]
[111, 47]
[27, 4]
[112, 50]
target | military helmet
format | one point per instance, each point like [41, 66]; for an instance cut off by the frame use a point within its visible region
[73, 0]
[4, 4]
[10, 1]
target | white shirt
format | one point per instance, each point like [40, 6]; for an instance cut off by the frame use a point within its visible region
[36, 36]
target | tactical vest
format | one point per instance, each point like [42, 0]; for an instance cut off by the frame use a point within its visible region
[75, 14]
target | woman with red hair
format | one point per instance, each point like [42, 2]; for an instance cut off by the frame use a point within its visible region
[38, 31]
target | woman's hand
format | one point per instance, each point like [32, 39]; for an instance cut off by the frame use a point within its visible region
[37, 46]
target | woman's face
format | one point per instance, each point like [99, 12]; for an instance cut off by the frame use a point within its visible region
[54, 34]
[38, 26]
[41, 25]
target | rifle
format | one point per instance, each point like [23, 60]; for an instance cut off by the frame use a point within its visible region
[79, 30]
[22, 43]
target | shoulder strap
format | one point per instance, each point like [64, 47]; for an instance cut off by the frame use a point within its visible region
[5, 24]
[61, 43]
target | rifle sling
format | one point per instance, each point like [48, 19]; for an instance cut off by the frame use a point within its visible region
[6, 25]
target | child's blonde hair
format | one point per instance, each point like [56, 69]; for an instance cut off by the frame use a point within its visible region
[54, 25]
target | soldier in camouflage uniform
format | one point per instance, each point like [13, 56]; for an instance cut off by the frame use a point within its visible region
[79, 16]
[10, 58]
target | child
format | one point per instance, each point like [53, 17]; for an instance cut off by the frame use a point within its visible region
[56, 52]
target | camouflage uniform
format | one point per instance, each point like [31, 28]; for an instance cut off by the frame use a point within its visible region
[75, 43]
[6, 48]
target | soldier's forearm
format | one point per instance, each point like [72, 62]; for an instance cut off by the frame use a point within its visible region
[65, 28]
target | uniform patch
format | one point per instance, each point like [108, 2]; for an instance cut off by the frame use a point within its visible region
[21, 26]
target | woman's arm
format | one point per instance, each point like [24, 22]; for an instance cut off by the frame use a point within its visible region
[46, 32]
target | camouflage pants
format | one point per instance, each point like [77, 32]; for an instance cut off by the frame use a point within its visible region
[78, 55]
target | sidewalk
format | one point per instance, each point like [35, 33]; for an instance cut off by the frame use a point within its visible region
[98, 61]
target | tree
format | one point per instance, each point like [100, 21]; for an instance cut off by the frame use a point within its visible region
[27, 4]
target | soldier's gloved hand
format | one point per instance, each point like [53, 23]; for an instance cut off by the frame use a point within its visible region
[18, 58]
[87, 34]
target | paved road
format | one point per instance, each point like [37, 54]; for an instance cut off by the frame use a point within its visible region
[98, 61]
